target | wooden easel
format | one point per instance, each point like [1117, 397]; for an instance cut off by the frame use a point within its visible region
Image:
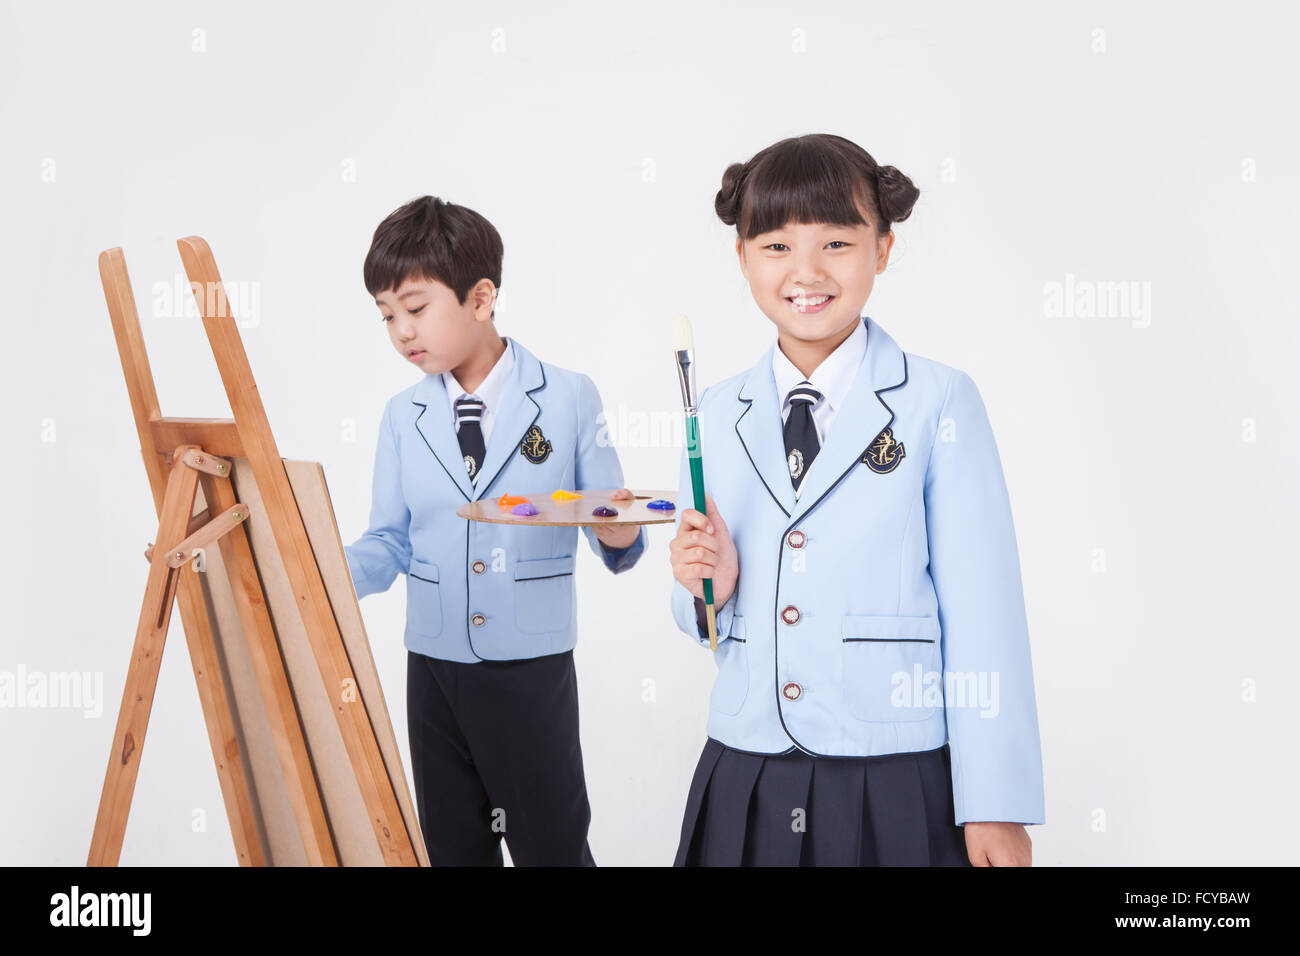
[180, 456]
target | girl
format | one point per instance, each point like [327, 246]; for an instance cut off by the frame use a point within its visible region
[874, 703]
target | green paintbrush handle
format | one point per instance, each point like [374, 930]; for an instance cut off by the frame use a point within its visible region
[697, 482]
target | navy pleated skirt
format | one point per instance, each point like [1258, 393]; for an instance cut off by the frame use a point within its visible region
[794, 809]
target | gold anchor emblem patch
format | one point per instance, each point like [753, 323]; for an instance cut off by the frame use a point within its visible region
[535, 446]
[884, 454]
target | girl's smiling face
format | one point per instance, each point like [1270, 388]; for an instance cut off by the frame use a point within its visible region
[813, 279]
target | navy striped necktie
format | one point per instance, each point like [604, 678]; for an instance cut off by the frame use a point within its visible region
[801, 442]
[469, 432]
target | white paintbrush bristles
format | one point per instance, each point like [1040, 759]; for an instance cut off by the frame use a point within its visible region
[683, 338]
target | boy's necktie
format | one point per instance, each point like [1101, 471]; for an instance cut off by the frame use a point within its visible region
[469, 432]
[801, 442]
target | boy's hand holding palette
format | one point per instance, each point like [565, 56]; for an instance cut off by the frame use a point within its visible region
[565, 508]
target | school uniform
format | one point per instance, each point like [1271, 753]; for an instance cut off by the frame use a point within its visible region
[874, 688]
[490, 608]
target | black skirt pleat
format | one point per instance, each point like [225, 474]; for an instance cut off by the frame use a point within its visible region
[734, 778]
[795, 809]
[836, 796]
[895, 829]
[780, 796]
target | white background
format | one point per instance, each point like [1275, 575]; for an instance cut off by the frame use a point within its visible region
[1152, 465]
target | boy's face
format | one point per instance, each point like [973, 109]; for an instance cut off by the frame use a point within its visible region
[793, 269]
[429, 328]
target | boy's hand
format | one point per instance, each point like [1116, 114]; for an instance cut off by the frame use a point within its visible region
[998, 844]
[618, 536]
[703, 549]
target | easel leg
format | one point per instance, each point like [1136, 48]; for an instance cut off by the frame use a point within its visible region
[217, 715]
[142, 674]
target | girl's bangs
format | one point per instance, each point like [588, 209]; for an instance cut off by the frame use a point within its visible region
[803, 189]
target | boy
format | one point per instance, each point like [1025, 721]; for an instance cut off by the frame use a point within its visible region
[492, 701]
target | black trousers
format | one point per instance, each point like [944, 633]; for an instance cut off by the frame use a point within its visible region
[495, 753]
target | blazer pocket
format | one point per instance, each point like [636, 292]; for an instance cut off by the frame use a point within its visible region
[423, 602]
[731, 686]
[893, 667]
[544, 594]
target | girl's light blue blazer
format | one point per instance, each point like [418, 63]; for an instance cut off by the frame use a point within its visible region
[881, 612]
[479, 591]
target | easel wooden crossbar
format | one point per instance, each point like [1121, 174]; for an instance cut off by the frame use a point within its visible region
[183, 456]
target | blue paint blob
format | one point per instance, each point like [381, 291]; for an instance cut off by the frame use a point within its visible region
[662, 504]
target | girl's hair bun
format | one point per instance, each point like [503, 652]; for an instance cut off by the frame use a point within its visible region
[727, 203]
[895, 194]
[819, 177]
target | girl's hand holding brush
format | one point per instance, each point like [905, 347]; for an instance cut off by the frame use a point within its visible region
[703, 549]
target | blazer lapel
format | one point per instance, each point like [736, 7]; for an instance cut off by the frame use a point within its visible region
[435, 425]
[512, 420]
[761, 431]
[858, 421]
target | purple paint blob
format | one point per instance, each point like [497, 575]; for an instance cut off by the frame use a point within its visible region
[661, 504]
[604, 511]
[525, 509]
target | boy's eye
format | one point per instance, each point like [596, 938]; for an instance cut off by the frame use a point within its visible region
[772, 245]
[389, 318]
[837, 242]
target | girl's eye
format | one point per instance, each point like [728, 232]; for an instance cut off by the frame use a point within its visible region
[387, 318]
[833, 242]
[418, 311]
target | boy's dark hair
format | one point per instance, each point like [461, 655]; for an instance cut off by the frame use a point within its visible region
[431, 239]
[815, 178]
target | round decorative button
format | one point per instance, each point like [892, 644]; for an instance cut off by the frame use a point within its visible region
[796, 538]
[478, 620]
[792, 691]
[478, 567]
[790, 614]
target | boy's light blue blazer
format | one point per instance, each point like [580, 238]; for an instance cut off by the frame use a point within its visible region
[882, 612]
[478, 591]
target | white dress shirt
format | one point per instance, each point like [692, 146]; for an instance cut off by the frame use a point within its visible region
[489, 391]
[833, 378]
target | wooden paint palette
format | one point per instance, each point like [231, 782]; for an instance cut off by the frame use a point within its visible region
[574, 512]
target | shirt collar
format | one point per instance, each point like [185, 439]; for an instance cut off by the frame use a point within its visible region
[833, 377]
[490, 388]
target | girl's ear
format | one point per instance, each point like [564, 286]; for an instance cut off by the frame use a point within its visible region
[884, 244]
[740, 254]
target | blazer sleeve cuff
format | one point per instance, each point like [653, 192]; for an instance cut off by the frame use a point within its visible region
[364, 580]
[692, 619]
[619, 560]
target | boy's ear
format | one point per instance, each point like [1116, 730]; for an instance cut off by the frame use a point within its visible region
[484, 295]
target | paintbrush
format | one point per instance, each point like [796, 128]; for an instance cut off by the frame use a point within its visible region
[684, 349]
